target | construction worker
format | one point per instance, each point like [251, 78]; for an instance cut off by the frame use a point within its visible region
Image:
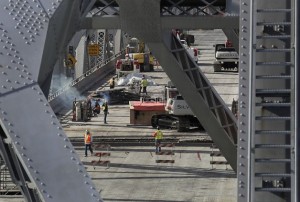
[105, 110]
[112, 83]
[158, 136]
[88, 140]
[144, 84]
[96, 109]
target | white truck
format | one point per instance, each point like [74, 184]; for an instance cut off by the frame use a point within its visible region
[192, 51]
[179, 115]
[226, 58]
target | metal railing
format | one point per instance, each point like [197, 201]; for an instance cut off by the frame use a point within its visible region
[83, 76]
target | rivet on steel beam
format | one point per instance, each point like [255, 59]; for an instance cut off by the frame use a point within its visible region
[86, 182]
[49, 196]
[58, 134]
[240, 173]
[241, 156]
[241, 195]
[66, 146]
[42, 183]
[72, 158]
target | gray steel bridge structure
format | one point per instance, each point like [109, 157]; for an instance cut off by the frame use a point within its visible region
[261, 145]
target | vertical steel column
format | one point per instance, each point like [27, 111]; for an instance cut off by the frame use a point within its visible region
[266, 158]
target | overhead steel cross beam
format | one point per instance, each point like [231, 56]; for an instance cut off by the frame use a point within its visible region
[200, 95]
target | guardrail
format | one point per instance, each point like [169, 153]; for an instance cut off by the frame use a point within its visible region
[83, 76]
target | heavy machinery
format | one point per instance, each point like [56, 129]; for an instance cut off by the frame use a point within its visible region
[179, 115]
[137, 50]
[127, 66]
[226, 58]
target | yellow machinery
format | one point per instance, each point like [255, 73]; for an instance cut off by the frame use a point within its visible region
[138, 51]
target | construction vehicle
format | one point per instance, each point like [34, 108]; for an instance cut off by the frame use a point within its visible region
[127, 66]
[192, 51]
[179, 115]
[226, 58]
[137, 50]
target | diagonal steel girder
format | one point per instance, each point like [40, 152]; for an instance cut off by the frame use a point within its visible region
[40, 157]
[200, 95]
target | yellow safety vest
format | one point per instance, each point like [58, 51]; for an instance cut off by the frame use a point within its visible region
[159, 135]
[144, 82]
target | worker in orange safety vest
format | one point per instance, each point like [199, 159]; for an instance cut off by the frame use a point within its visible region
[88, 140]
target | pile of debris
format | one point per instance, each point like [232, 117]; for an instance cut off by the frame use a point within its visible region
[115, 96]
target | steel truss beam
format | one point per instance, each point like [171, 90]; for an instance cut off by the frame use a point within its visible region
[39, 155]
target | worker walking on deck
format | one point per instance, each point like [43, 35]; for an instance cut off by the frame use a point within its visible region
[105, 110]
[112, 83]
[144, 84]
[88, 140]
[158, 136]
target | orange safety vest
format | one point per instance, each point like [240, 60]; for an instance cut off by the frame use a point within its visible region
[87, 138]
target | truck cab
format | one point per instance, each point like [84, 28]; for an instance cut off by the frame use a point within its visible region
[226, 58]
